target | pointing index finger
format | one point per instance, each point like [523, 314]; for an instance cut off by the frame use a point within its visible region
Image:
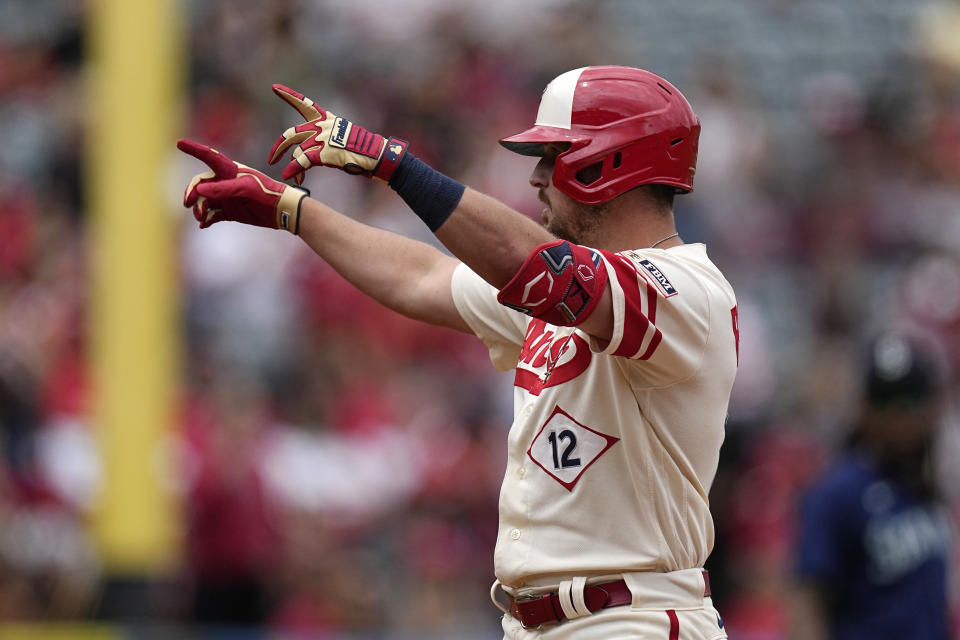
[223, 167]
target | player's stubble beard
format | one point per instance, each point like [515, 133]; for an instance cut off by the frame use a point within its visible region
[578, 224]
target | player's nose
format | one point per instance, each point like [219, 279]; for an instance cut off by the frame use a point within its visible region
[540, 178]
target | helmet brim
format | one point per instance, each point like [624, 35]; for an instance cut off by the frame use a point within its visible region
[533, 141]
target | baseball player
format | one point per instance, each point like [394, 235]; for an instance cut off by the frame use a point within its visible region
[623, 339]
[874, 538]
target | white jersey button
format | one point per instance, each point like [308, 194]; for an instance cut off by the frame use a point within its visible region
[527, 410]
[521, 472]
[515, 534]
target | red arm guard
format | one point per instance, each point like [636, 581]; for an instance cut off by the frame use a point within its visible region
[559, 283]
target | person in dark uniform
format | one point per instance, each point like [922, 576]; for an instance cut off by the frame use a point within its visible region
[874, 537]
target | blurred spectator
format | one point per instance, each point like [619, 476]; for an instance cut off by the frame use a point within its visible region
[874, 533]
[231, 541]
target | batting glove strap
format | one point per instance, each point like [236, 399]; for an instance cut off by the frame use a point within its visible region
[288, 209]
[393, 152]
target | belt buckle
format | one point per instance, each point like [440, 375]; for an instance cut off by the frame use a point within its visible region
[529, 598]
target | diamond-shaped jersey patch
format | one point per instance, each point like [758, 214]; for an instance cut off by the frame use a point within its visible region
[564, 448]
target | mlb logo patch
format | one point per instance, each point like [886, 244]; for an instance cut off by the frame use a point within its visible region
[659, 279]
[392, 154]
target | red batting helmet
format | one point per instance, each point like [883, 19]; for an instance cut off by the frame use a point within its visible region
[636, 127]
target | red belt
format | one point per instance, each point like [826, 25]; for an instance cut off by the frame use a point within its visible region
[533, 611]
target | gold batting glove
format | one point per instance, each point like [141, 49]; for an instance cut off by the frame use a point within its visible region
[332, 141]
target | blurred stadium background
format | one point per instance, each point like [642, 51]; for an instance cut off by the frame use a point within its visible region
[211, 435]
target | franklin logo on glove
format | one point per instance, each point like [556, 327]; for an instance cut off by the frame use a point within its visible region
[341, 129]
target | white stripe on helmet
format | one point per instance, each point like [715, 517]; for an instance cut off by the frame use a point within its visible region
[556, 105]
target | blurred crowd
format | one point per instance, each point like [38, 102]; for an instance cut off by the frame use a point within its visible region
[340, 464]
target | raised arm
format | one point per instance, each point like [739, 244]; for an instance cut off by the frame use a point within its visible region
[407, 276]
[497, 242]
[489, 236]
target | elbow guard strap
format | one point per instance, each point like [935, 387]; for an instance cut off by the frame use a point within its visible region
[559, 283]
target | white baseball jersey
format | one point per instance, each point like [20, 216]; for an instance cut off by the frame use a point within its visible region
[613, 448]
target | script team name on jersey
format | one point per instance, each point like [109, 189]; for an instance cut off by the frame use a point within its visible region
[547, 359]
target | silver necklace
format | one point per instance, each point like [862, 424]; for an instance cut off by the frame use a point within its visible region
[672, 235]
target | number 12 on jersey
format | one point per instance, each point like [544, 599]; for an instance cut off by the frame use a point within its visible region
[565, 448]
[564, 459]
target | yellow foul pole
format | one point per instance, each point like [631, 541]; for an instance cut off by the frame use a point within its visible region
[135, 61]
